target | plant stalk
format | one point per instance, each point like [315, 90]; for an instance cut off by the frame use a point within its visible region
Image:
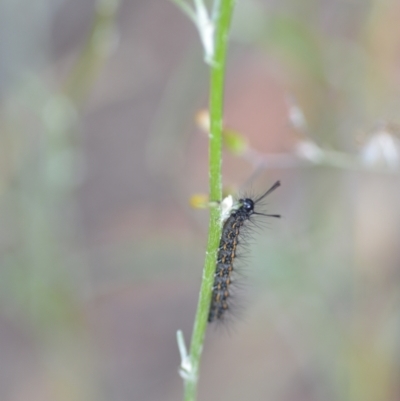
[222, 22]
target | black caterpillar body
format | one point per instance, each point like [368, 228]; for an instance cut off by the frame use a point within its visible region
[227, 253]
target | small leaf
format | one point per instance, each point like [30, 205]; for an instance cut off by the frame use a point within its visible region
[234, 141]
[199, 201]
[203, 120]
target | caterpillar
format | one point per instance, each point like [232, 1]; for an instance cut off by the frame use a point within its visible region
[236, 218]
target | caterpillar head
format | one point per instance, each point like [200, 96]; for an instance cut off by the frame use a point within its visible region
[247, 205]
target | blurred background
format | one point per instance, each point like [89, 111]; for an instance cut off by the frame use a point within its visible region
[101, 254]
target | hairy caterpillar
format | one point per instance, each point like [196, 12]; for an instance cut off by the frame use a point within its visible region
[238, 215]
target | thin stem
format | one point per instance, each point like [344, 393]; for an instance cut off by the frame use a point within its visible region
[186, 9]
[94, 52]
[222, 24]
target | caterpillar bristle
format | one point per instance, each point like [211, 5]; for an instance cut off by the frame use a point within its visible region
[234, 235]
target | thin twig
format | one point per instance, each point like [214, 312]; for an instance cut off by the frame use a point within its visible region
[217, 31]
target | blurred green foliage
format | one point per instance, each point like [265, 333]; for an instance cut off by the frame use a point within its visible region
[326, 277]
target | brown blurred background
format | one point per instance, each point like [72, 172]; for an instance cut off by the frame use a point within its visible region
[101, 255]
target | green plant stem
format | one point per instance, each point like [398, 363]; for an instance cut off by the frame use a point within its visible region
[94, 53]
[222, 24]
